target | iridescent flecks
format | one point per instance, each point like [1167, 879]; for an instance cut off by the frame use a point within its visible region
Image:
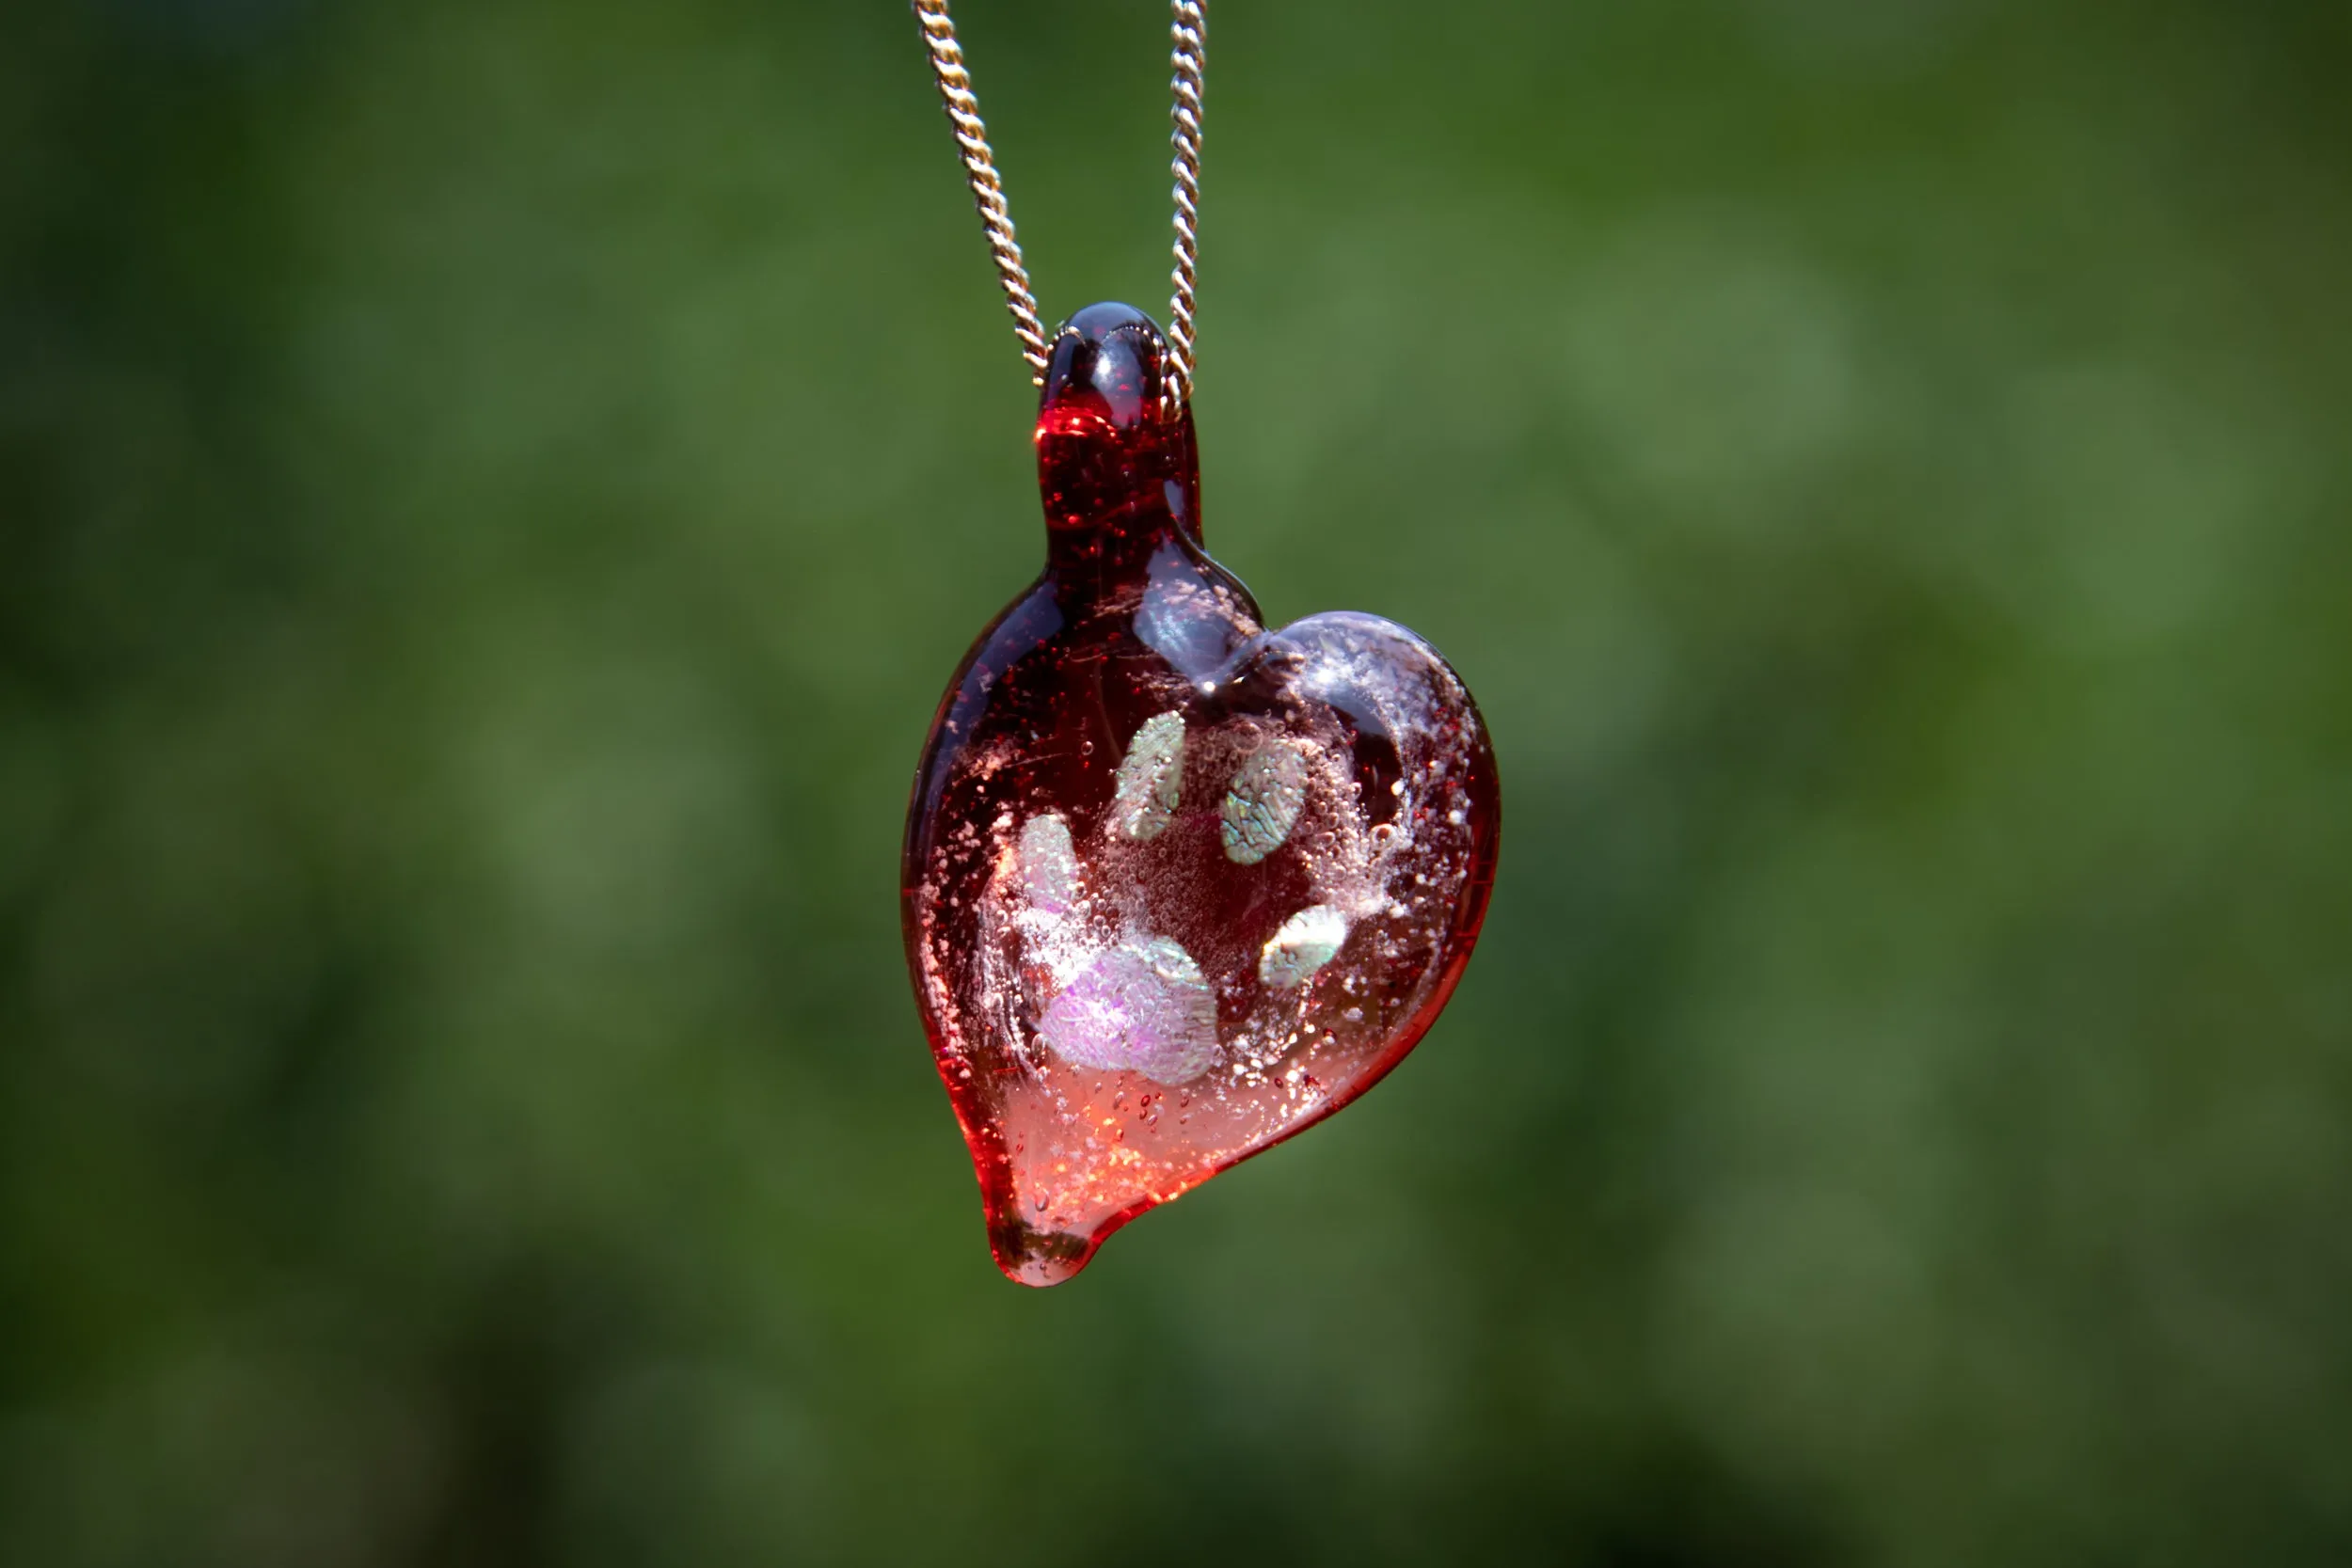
[1262, 804]
[1151, 778]
[1305, 942]
[1049, 864]
[1142, 1006]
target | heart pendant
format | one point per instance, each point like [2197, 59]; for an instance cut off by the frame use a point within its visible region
[1175, 886]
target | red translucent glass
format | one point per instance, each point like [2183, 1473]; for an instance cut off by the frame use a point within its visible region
[1175, 886]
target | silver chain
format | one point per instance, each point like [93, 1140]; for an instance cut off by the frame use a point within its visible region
[1188, 36]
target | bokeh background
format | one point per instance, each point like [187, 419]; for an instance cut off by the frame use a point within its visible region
[493, 489]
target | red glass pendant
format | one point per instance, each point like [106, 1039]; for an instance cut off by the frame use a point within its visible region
[1175, 886]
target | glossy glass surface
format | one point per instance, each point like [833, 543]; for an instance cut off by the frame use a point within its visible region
[1175, 886]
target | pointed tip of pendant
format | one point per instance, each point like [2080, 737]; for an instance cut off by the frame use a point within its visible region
[1041, 1258]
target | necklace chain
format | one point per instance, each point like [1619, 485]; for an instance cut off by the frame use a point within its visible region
[1188, 37]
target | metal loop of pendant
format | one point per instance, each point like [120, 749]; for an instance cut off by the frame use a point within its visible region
[1189, 37]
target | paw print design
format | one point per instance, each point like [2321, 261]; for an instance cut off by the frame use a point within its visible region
[1119, 994]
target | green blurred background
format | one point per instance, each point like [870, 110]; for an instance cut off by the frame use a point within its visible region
[490, 492]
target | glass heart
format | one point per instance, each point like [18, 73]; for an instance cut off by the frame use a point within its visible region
[1175, 886]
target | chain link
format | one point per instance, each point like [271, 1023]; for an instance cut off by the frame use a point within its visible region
[1188, 58]
[979, 167]
[1188, 36]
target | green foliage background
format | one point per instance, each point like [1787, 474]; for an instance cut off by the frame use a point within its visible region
[490, 491]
